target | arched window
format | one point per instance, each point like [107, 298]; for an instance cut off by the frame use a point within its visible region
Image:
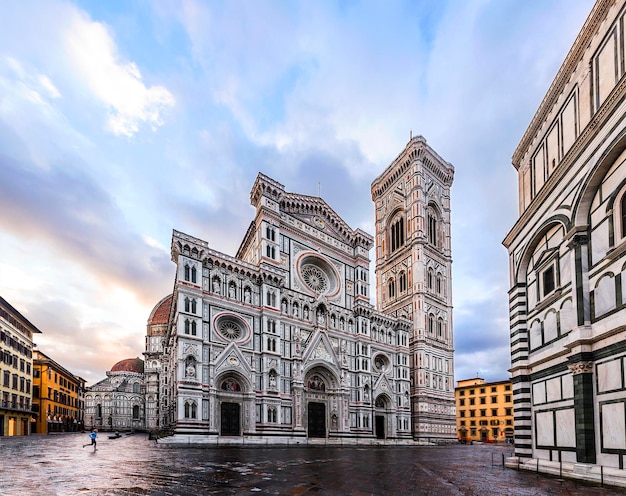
[190, 305]
[440, 328]
[438, 284]
[397, 234]
[429, 278]
[403, 284]
[190, 409]
[392, 288]
[432, 227]
[193, 327]
[135, 412]
[431, 323]
[187, 326]
[190, 273]
[271, 414]
[136, 387]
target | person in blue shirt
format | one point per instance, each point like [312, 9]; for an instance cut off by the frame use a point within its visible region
[92, 436]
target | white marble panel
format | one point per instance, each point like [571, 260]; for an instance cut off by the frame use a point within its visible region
[610, 375]
[567, 317]
[539, 393]
[531, 296]
[535, 335]
[567, 386]
[553, 389]
[565, 268]
[613, 426]
[600, 241]
[568, 456]
[604, 295]
[545, 429]
[549, 327]
[565, 428]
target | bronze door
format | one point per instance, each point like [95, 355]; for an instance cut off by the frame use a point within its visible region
[230, 419]
[317, 420]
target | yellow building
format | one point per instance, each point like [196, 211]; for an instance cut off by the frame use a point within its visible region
[16, 352]
[484, 410]
[58, 397]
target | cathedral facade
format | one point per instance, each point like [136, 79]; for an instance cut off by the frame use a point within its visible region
[280, 343]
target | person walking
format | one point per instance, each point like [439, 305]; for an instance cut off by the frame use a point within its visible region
[93, 435]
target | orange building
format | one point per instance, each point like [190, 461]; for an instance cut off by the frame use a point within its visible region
[58, 397]
[484, 410]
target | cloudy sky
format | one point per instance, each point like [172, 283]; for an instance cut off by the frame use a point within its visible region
[123, 120]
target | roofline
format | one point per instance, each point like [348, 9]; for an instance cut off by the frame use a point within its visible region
[574, 56]
[33, 327]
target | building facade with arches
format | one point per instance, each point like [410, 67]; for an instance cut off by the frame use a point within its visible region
[117, 403]
[280, 343]
[567, 255]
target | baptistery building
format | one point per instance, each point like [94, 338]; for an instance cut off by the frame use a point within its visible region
[280, 342]
[567, 255]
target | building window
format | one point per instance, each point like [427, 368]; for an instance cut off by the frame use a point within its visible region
[494, 399]
[271, 414]
[403, 284]
[392, 288]
[135, 412]
[508, 411]
[429, 279]
[483, 413]
[472, 401]
[190, 410]
[548, 280]
[432, 227]
[190, 273]
[462, 402]
[494, 412]
[397, 233]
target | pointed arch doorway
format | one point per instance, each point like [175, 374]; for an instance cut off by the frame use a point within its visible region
[380, 417]
[317, 419]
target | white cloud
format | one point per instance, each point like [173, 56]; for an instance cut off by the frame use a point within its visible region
[117, 83]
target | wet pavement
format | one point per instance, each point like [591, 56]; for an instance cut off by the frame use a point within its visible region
[133, 465]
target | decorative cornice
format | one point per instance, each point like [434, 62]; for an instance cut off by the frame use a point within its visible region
[416, 149]
[574, 56]
[581, 145]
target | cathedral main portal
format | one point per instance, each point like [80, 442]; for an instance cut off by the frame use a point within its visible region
[317, 419]
[230, 417]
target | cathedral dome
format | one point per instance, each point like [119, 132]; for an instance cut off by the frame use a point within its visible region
[129, 365]
[161, 312]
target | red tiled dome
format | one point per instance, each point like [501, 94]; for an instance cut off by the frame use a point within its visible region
[161, 312]
[129, 365]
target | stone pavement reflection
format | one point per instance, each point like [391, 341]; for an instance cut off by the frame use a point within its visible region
[133, 465]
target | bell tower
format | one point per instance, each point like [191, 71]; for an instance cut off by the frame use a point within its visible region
[414, 277]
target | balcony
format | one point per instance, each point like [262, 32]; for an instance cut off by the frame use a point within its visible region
[15, 406]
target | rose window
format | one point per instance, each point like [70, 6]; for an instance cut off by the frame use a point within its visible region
[230, 329]
[314, 278]
[381, 363]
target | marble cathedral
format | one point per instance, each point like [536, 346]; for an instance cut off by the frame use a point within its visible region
[280, 343]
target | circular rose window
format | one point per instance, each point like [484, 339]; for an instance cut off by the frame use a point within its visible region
[314, 278]
[381, 363]
[318, 275]
[230, 328]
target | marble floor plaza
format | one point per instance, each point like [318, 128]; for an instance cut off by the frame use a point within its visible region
[58, 465]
